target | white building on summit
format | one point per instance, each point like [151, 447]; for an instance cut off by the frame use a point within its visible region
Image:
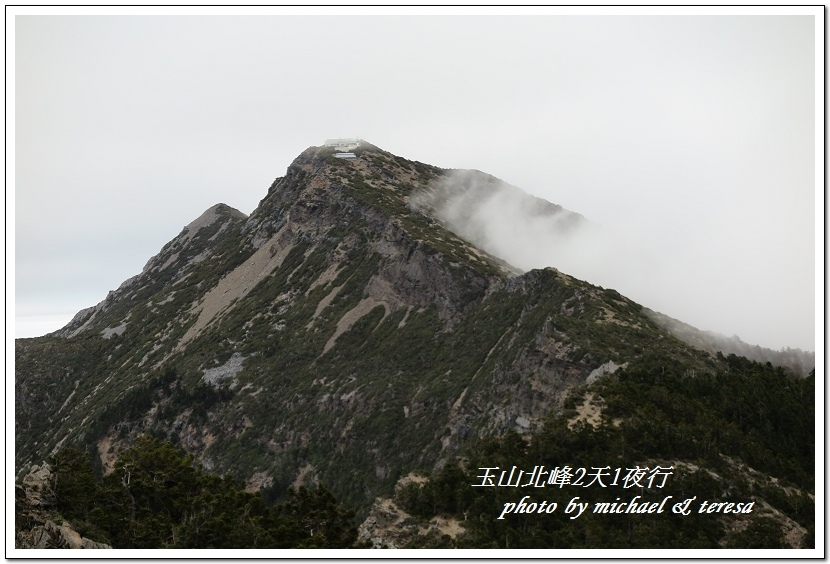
[342, 144]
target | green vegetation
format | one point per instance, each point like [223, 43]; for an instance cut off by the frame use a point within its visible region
[457, 352]
[157, 497]
[709, 428]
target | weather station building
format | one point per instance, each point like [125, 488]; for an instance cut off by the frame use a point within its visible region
[343, 147]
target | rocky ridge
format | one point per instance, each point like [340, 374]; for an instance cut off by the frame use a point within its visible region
[35, 518]
[340, 334]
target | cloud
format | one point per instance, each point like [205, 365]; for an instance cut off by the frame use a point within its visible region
[659, 270]
[529, 232]
[686, 142]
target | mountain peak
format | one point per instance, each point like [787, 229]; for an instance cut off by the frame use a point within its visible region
[212, 214]
[352, 329]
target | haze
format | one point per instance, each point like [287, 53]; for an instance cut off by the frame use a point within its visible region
[688, 142]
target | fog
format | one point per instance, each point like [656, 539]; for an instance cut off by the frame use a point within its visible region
[686, 141]
[528, 232]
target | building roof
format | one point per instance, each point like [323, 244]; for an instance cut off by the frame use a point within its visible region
[342, 142]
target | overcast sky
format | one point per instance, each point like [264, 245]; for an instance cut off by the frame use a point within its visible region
[691, 138]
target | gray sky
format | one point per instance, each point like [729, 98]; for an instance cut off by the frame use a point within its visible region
[690, 139]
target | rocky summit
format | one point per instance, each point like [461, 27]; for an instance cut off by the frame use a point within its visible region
[346, 333]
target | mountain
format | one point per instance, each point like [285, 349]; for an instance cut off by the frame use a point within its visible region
[799, 361]
[341, 334]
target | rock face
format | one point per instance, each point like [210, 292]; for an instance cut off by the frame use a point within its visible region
[34, 524]
[389, 526]
[342, 327]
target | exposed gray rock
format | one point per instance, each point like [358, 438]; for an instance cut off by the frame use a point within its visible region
[608, 368]
[214, 376]
[34, 516]
[110, 331]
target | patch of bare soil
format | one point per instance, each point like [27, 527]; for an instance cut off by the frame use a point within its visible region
[324, 303]
[587, 412]
[238, 283]
[352, 316]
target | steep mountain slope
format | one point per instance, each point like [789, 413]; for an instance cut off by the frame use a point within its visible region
[800, 362]
[340, 334]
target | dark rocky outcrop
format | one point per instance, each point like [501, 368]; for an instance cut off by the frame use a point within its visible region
[366, 338]
[36, 521]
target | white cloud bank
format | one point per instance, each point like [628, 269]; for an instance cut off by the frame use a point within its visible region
[687, 140]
